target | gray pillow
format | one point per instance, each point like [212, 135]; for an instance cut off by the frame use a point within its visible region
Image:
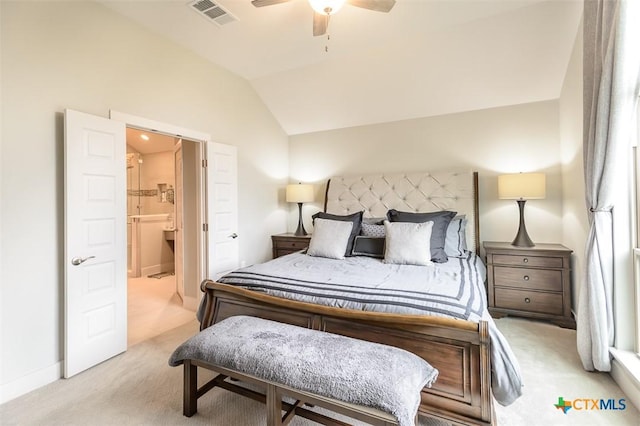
[368, 246]
[455, 244]
[355, 218]
[438, 233]
[369, 230]
[329, 238]
[373, 220]
[408, 243]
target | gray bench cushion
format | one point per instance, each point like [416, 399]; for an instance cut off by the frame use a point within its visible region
[362, 373]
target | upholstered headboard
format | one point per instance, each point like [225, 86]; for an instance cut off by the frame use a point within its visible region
[455, 190]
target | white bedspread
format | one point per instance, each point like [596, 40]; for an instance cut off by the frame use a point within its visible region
[453, 289]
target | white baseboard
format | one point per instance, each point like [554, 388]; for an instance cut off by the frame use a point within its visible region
[30, 382]
[190, 303]
[625, 370]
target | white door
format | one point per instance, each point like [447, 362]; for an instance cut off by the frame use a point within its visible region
[222, 208]
[95, 293]
[178, 243]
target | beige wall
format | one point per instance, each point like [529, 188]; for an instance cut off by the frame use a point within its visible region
[83, 56]
[575, 224]
[494, 141]
[189, 217]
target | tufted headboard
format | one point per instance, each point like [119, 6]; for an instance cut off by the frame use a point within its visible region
[455, 190]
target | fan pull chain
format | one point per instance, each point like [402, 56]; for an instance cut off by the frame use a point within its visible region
[326, 46]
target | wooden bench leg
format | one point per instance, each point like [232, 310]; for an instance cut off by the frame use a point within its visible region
[190, 393]
[274, 406]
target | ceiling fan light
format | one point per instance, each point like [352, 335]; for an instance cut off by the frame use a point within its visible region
[326, 7]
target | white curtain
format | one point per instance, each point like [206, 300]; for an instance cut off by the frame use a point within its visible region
[611, 81]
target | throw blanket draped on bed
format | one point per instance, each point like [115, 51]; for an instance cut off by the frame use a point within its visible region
[454, 289]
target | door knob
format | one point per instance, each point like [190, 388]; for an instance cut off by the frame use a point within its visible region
[234, 235]
[79, 260]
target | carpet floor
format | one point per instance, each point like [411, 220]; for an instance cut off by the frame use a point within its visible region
[139, 388]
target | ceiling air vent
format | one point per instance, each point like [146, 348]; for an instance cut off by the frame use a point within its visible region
[212, 12]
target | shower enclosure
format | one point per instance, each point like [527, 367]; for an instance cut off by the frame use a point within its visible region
[150, 212]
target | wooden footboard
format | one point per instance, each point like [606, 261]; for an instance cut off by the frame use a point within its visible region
[458, 349]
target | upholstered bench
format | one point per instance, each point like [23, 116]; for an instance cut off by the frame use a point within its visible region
[376, 383]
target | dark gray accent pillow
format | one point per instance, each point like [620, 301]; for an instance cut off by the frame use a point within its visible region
[438, 232]
[356, 218]
[368, 246]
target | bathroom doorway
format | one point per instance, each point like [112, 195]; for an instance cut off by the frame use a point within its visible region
[95, 148]
[161, 199]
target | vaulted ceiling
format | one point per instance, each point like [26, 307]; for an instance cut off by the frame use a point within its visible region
[424, 58]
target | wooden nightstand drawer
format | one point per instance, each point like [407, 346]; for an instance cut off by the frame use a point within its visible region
[532, 301]
[280, 252]
[292, 245]
[284, 244]
[536, 279]
[530, 261]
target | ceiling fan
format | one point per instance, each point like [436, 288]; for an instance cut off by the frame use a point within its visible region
[323, 9]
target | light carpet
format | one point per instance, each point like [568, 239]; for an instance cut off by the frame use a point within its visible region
[139, 388]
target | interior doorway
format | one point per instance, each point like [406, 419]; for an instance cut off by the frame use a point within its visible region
[213, 246]
[95, 275]
[162, 207]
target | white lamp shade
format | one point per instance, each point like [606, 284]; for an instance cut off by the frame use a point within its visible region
[326, 7]
[522, 186]
[299, 193]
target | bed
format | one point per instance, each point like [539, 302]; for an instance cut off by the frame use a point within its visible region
[437, 311]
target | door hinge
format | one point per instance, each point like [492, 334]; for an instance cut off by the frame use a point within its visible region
[205, 163]
[205, 227]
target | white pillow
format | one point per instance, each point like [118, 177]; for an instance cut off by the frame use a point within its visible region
[329, 238]
[408, 243]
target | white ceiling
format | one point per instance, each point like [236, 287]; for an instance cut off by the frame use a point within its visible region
[424, 58]
[153, 143]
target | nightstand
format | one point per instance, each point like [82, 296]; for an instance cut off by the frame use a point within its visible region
[532, 282]
[288, 243]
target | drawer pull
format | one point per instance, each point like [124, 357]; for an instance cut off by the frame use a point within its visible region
[525, 260]
[527, 300]
[526, 278]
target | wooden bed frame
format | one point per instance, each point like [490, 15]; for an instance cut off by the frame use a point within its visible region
[458, 349]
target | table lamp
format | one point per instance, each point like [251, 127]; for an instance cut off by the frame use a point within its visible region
[521, 187]
[299, 193]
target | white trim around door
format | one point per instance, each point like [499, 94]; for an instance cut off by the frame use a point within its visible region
[189, 302]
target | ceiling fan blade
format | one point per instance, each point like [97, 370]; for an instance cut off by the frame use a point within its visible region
[377, 5]
[260, 3]
[320, 24]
